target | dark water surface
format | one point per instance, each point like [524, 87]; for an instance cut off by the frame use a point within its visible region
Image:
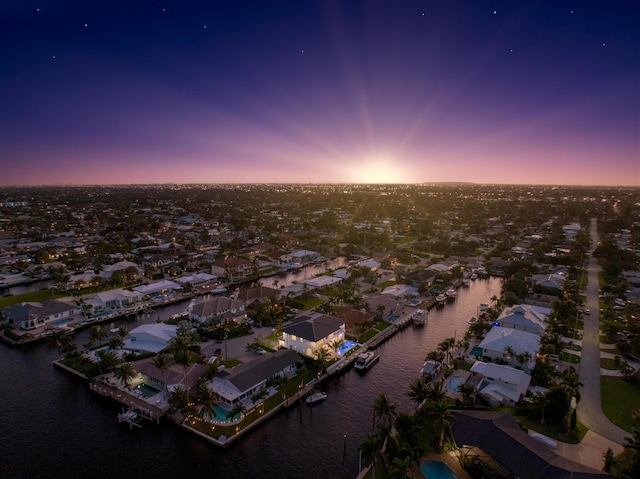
[52, 426]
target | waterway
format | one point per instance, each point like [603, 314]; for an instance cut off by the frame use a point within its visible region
[302, 274]
[53, 427]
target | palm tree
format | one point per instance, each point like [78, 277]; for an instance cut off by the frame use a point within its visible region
[161, 361]
[107, 360]
[208, 400]
[182, 355]
[98, 333]
[59, 340]
[371, 449]
[418, 391]
[238, 409]
[401, 468]
[436, 391]
[441, 416]
[570, 382]
[123, 331]
[384, 410]
[178, 398]
[125, 372]
[468, 391]
[321, 356]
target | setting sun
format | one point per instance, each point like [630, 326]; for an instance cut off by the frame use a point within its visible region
[379, 170]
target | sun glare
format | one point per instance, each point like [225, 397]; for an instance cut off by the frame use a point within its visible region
[380, 170]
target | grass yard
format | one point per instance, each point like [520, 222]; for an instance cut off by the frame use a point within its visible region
[619, 399]
[607, 363]
[35, 296]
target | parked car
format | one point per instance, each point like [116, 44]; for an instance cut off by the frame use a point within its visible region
[217, 352]
[260, 351]
[587, 311]
[554, 357]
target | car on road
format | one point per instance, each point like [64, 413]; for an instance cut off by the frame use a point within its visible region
[587, 311]
[260, 351]
[217, 352]
[630, 357]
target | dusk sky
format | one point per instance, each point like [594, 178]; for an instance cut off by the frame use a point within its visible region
[324, 91]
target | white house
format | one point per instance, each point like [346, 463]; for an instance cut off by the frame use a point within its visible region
[243, 381]
[113, 301]
[108, 271]
[551, 281]
[499, 341]
[153, 337]
[308, 334]
[532, 319]
[300, 257]
[322, 281]
[159, 287]
[499, 384]
[399, 290]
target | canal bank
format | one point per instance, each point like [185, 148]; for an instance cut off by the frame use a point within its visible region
[296, 442]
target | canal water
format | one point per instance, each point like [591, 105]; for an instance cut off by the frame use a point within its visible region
[51, 426]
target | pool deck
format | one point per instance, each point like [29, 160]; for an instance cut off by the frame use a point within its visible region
[447, 459]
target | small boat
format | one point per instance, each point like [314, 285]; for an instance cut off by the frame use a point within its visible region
[451, 293]
[419, 317]
[483, 307]
[316, 398]
[366, 360]
[441, 298]
[472, 320]
[473, 276]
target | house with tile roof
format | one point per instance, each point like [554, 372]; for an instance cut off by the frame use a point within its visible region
[308, 334]
[218, 309]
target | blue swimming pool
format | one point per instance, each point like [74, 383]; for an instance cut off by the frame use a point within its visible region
[221, 416]
[148, 390]
[454, 382]
[477, 352]
[346, 346]
[393, 318]
[437, 470]
[60, 322]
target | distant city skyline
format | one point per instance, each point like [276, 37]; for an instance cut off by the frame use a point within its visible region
[148, 92]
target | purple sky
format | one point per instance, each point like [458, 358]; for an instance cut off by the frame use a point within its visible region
[142, 91]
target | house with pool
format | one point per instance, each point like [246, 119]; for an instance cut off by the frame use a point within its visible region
[246, 379]
[218, 309]
[309, 333]
[34, 315]
[114, 302]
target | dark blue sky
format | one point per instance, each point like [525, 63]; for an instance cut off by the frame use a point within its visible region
[319, 91]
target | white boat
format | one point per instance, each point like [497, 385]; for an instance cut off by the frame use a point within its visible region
[441, 298]
[366, 360]
[316, 398]
[483, 307]
[472, 320]
[473, 276]
[419, 317]
[451, 293]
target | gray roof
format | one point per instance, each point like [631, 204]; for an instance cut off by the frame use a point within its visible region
[314, 328]
[25, 311]
[498, 434]
[247, 375]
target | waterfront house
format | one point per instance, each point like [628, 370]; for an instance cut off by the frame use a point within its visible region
[500, 385]
[300, 258]
[153, 337]
[200, 280]
[33, 315]
[244, 380]
[124, 266]
[351, 317]
[549, 282]
[525, 317]
[507, 344]
[218, 309]
[422, 276]
[258, 294]
[114, 302]
[233, 268]
[308, 334]
[384, 305]
[399, 291]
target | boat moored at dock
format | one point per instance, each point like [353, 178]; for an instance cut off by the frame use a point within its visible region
[365, 361]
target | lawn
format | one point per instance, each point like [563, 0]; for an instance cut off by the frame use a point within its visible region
[619, 399]
[35, 296]
[386, 284]
[607, 363]
[572, 437]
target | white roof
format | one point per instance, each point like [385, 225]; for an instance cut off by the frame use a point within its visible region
[322, 281]
[439, 267]
[153, 337]
[500, 372]
[498, 339]
[399, 290]
[197, 277]
[157, 287]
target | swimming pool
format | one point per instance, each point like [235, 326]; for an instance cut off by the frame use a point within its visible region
[221, 416]
[148, 390]
[60, 322]
[437, 470]
[454, 382]
[346, 346]
[393, 318]
[476, 351]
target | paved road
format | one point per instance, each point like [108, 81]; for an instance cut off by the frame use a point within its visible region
[590, 407]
